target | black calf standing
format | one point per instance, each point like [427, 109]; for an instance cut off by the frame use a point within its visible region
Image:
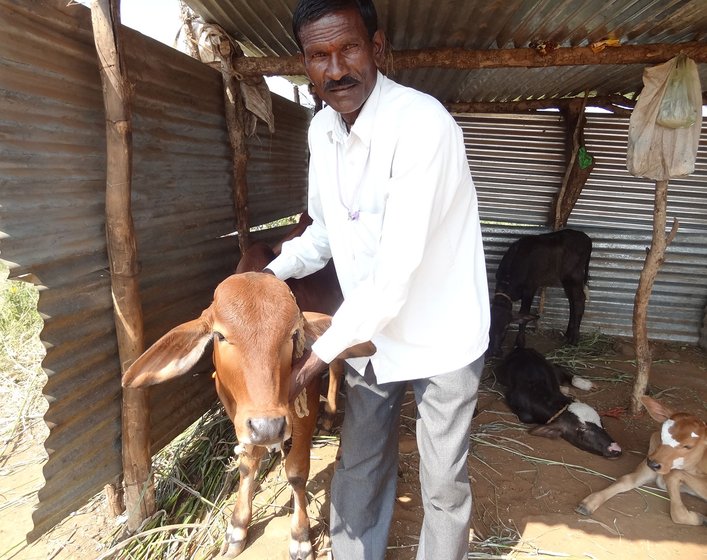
[533, 393]
[560, 258]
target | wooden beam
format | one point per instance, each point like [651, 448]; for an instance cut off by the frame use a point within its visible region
[464, 59]
[615, 103]
[122, 257]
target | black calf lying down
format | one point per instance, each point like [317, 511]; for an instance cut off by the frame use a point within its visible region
[533, 392]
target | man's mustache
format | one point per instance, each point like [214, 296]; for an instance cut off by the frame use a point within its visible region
[342, 82]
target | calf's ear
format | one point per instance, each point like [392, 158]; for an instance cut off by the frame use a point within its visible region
[316, 323]
[172, 355]
[552, 431]
[314, 326]
[658, 411]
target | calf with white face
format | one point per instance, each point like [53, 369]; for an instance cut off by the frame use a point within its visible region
[676, 462]
[534, 394]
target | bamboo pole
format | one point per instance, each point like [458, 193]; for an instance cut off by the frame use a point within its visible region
[122, 256]
[654, 259]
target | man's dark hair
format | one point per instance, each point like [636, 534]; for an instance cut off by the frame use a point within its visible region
[308, 11]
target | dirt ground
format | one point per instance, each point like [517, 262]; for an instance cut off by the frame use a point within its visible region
[525, 488]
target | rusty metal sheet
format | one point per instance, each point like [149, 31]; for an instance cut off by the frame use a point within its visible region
[52, 192]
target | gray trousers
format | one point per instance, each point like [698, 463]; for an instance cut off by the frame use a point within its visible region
[364, 484]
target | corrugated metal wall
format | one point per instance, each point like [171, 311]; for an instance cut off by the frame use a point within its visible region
[52, 191]
[517, 163]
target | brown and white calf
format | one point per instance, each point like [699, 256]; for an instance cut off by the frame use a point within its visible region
[676, 462]
[258, 332]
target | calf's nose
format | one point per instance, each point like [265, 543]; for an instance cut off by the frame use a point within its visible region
[654, 466]
[266, 430]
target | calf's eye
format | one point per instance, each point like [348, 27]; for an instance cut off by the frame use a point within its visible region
[218, 336]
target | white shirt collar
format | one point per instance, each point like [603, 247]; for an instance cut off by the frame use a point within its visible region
[363, 127]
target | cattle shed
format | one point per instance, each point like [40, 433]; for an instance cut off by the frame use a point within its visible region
[513, 74]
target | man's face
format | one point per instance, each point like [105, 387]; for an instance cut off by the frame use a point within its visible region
[340, 60]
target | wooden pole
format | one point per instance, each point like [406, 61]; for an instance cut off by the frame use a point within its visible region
[573, 143]
[228, 53]
[122, 256]
[654, 259]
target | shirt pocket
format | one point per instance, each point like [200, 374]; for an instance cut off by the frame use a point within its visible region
[365, 236]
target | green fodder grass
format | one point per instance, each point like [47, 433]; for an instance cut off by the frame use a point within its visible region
[21, 375]
[194, 476]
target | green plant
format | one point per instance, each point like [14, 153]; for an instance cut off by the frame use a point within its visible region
[21, 353]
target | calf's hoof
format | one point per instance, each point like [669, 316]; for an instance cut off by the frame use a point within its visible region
[233, 543]
[301, 550]
[583, 509]
[232, 549]
[690, 518]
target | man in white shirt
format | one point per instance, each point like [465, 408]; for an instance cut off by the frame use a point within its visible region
[393, 202]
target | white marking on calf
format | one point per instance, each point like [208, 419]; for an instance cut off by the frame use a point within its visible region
[235, 534]
[693, 434]
[301, 404]
[581, 383]
[614, 446]
[678, 463]
[665, 436]
[585, 413]
[300, 549]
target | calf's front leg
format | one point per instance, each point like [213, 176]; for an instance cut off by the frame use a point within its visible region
[297, 470]
[642, 475]
[576, 298]
[235, 540]
[526, 301]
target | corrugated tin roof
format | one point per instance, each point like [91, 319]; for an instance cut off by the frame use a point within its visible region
[264, 28]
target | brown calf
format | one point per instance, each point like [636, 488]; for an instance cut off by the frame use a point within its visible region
[257, 332]
[676, 461]
[318, 292]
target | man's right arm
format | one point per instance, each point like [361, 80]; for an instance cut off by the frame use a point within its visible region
[302, 255]
[309, 252]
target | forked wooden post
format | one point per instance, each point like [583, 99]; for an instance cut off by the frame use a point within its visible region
[654, 259]
[122, 256]
[235, 121]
